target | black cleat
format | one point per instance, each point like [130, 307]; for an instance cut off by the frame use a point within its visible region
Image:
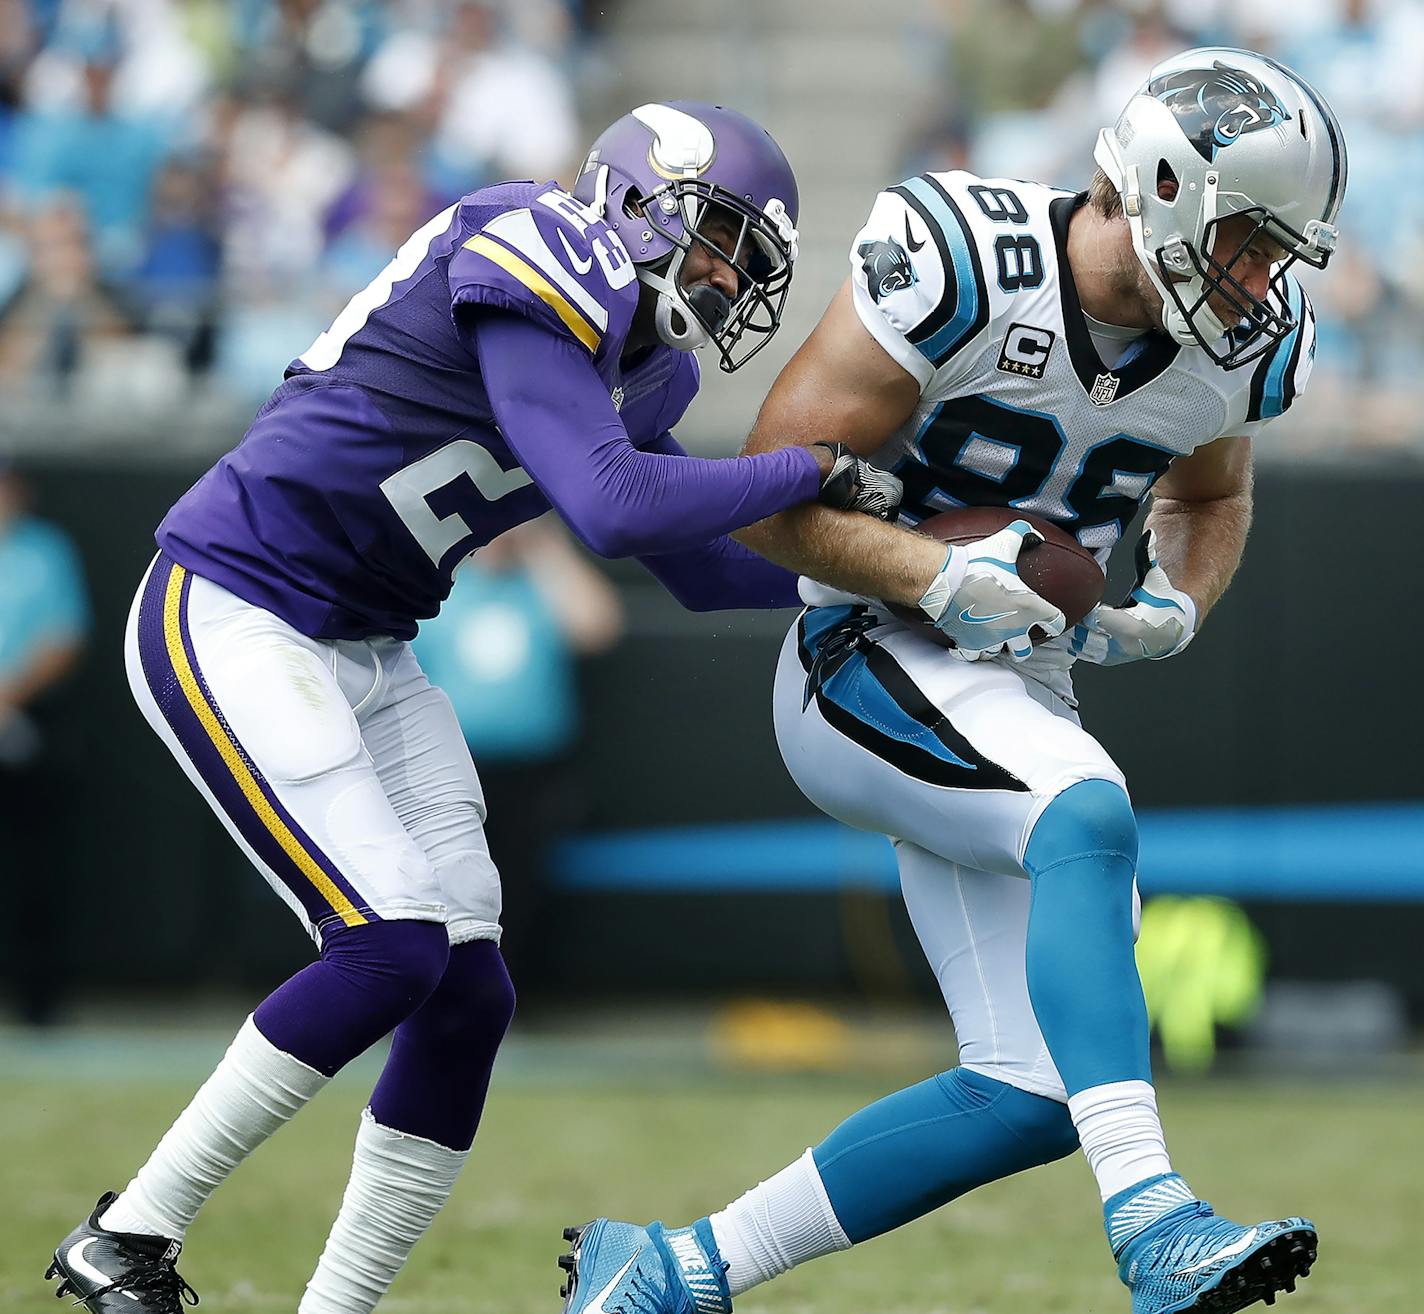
[569, 1264]
[119, 1272]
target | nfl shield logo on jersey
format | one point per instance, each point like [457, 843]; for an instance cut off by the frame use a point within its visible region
[617, 396]
[1104, 389]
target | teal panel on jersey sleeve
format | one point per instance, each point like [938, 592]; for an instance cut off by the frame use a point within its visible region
[964, 309]
[1273, 382]
[1273, 401]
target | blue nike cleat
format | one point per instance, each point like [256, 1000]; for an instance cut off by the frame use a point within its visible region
[1175, 1254]
[620, 1268]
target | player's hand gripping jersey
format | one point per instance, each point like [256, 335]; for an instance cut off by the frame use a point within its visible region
[394, 447]
[965, 282]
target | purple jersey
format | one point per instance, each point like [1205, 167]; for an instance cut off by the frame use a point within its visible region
[378, 465]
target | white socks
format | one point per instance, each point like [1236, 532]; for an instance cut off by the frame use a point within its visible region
[782, 1222]
[252, 1092]
[1121, 1134]
[398, 1184]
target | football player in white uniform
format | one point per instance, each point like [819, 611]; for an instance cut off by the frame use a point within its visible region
[1005, 344]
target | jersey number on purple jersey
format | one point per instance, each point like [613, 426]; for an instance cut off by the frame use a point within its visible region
[409, 491]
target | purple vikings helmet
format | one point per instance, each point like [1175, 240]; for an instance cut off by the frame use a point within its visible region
[657, 176]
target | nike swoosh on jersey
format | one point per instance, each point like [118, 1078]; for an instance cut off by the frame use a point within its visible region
[597, 1306]
[910, 239]
[1226, 1252]
[580, 266]
[968, 615]
[75, 1261]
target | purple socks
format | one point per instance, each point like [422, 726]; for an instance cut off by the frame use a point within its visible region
[449, 1009]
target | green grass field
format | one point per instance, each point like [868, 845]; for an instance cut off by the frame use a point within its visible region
[555, 1149]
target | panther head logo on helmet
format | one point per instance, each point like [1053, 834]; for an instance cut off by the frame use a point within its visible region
[1280, 185]
[887, 268]
[1216, 106]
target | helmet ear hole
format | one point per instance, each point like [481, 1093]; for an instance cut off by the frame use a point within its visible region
[633, 203]
[1167, 184]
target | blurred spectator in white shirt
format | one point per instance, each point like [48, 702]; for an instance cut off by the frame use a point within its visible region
[497, 110]
[157, 70]
[282, 174]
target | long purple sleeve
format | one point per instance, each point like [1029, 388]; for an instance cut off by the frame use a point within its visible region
[721, 575]
[557, 417]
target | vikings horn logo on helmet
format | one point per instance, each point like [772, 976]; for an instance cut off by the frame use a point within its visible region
[682, 145]
[1217, 106]
[887, 268]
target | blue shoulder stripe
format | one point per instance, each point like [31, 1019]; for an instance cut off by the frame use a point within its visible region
[964, 308]
[1273, 383]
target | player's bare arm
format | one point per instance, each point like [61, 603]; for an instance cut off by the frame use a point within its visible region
[841, 387]
[1201, 516]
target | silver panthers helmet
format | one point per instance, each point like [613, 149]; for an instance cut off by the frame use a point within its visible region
[1239, 134]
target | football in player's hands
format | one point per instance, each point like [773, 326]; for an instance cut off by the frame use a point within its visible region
[1058, 568]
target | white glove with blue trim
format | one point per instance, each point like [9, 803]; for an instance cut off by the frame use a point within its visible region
[1154, 621]
[980, 602]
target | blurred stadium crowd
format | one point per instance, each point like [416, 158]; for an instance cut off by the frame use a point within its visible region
[189, 184]
[191, 188]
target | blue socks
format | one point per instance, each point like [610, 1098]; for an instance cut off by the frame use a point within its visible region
[1082, 975]
[917, 1149]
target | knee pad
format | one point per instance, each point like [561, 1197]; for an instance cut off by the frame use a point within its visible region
[1091, 817]
[395, 964]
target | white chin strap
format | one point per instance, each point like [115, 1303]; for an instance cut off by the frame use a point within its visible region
[676, 325]
[1178, 327]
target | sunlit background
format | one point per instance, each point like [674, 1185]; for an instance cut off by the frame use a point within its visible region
[189, 191]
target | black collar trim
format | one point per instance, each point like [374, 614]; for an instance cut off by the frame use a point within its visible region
[1158, 351]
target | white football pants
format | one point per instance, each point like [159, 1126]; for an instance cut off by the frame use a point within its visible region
[335, 765]
[955, 761]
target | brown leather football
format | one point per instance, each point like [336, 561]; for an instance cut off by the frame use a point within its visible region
[1060, 568]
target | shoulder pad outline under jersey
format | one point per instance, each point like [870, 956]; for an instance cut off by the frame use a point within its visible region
[560, 258]
[918, 277]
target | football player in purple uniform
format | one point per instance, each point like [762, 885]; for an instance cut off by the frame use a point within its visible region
[528, 348]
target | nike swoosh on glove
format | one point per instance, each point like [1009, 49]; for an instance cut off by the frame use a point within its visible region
[1154, 621]
[980, 602]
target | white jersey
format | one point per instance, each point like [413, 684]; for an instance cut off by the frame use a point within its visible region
[965, 282]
